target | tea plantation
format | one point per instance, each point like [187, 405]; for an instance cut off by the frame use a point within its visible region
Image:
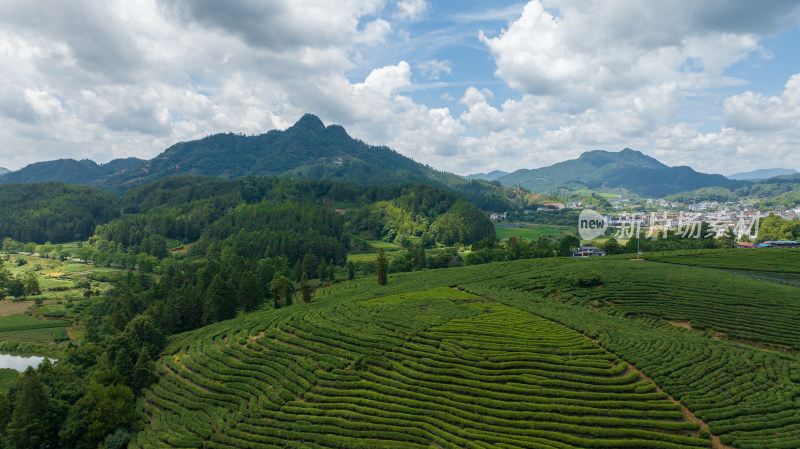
[526, 354]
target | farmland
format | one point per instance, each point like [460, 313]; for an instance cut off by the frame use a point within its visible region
[468, 373]
[45, 327]
[531, 232]
[538, 353]
[778, 260]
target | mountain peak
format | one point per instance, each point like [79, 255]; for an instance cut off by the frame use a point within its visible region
[309, 122]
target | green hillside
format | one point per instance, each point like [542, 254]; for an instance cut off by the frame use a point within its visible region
[53, 211]
[492, 368]
[69, 170]
[307, 150]
[764, 194]
[466, 372]
[627, 169]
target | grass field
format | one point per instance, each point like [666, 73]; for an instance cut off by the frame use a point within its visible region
[531, 232]
[390, 250]
[524, 354]
[588, 192]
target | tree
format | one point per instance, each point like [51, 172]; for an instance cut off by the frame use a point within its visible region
[422, 261]
[331, 271]
[381, 265]
[612, 247]
[34, 422]
[16, 288]
[102, 410]
[568, 243]
[5, 277]
[250, 293]
[143, 331]
[306, 288]
[219, 302]
[513, 248]
[143, 370]
[351, 270]
[31, 282]
[282, 288]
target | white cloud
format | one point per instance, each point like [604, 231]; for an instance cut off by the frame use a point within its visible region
[753, 112]
[588, 74]
[411, 9]
[388, 80]
[434, 68]
[374, 32]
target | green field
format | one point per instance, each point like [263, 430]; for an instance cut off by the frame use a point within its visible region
[19, 327]
[390, 250]
[588, 192]
[534, 353]
[780, 260]
[532, 232]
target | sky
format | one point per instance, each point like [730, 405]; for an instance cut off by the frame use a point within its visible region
[464, 86]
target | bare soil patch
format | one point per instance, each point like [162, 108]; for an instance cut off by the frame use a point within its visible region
[8, 307]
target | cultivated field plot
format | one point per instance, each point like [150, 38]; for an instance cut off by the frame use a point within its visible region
[531, 232]
[781, 260]
[390, 250]
[26, 328]
[737, 306]
[464, 373]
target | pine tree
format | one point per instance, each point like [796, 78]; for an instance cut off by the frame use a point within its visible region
[381, 265]
[249, 292]
[32, 422]
[143, 371]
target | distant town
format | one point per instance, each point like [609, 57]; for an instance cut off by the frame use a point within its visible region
[655, 217]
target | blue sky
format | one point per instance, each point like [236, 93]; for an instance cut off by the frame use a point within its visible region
[464, 86]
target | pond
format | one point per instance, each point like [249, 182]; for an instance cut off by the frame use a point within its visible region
[19, 362]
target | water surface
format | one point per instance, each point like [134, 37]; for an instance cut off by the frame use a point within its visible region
[19, 362]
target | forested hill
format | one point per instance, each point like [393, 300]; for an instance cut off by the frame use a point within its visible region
[69, 170]
[53, 211]
[284, 213]
[306, 150]
[628, 168]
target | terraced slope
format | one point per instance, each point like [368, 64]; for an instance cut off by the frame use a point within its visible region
[439, 368]
[737, 306]
[749, 396]
[778, 260]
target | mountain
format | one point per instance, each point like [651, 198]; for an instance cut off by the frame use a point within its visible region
[491, 176]
[3, 171]
[627, 169]
[306, 150]
[762, 173]
[85, 171]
